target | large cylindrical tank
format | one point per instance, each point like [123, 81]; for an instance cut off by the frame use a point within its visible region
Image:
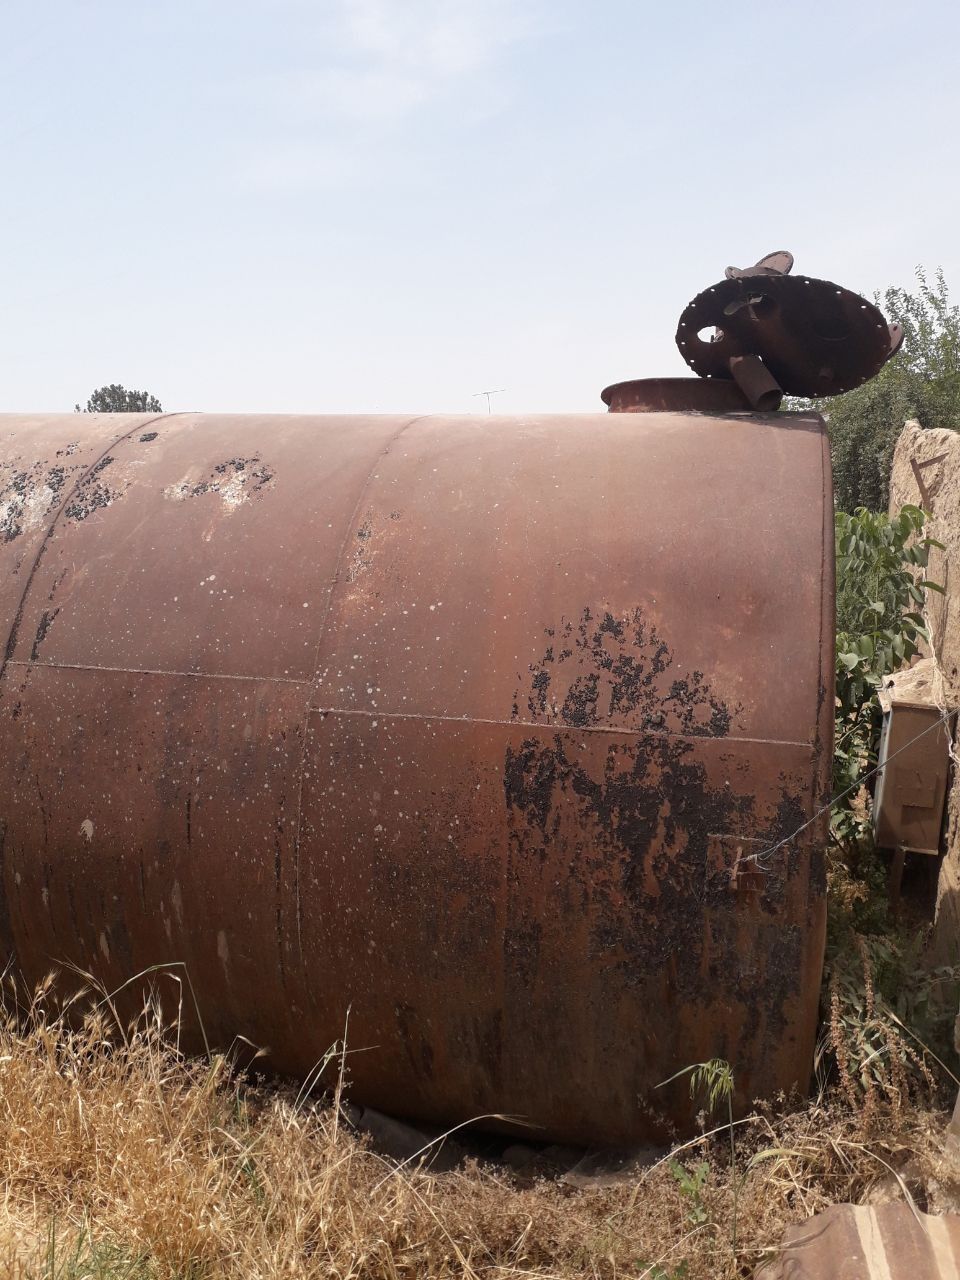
[469, 726]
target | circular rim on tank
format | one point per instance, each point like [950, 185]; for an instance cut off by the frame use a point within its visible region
[675, 395]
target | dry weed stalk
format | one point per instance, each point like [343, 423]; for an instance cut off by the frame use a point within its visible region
[121, 1158]
[876, 1056]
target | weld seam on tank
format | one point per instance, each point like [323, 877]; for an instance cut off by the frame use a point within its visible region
[558, 727]
[324, 625]
[150, 671]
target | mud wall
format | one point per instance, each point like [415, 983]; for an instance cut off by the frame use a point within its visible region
[926, 471]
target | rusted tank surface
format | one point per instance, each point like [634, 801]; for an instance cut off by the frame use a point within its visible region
[467, 726]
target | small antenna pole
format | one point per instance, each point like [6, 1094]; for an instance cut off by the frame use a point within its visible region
[488, 394]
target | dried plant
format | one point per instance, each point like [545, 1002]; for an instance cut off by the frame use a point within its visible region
[122, 1159]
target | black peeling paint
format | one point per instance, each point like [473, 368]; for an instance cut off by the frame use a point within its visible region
[91, 495]
[20, 488]
[611, 671]
[257, 476]
[46, 621]
[643, 811]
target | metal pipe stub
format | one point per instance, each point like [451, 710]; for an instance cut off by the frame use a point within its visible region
[756, 382]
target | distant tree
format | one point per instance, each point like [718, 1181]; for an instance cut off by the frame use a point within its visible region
[922, 381]
[116, 399]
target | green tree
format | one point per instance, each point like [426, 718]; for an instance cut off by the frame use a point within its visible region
[117, 399]
[922, 381]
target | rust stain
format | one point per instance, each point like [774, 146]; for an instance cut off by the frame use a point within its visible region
[361, 557]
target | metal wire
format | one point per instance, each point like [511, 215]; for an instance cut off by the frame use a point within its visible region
[944, 719]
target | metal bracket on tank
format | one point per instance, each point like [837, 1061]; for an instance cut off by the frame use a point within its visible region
[760, 334]
[776, 334]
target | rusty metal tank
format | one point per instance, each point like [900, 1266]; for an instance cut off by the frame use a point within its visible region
[465, 729]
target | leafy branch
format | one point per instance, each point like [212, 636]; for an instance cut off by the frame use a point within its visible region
[881, 586]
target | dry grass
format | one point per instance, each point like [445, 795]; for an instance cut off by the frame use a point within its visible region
[120, 1158]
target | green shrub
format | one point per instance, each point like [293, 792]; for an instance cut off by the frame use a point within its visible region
[880, 597]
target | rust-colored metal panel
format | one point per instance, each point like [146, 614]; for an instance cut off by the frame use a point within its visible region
[549, 925]
[179, 549]
[472, 726]
[41, 460]
[865, 1242]
[481, 555]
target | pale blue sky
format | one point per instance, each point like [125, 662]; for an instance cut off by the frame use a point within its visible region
[388, 205]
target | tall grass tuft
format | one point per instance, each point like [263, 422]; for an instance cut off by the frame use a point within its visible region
[122, 1159]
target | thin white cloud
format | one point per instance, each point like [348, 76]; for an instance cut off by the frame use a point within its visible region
[373, 66]
[302, 165]
[358, 94]
[381, 60]
[437, 39]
